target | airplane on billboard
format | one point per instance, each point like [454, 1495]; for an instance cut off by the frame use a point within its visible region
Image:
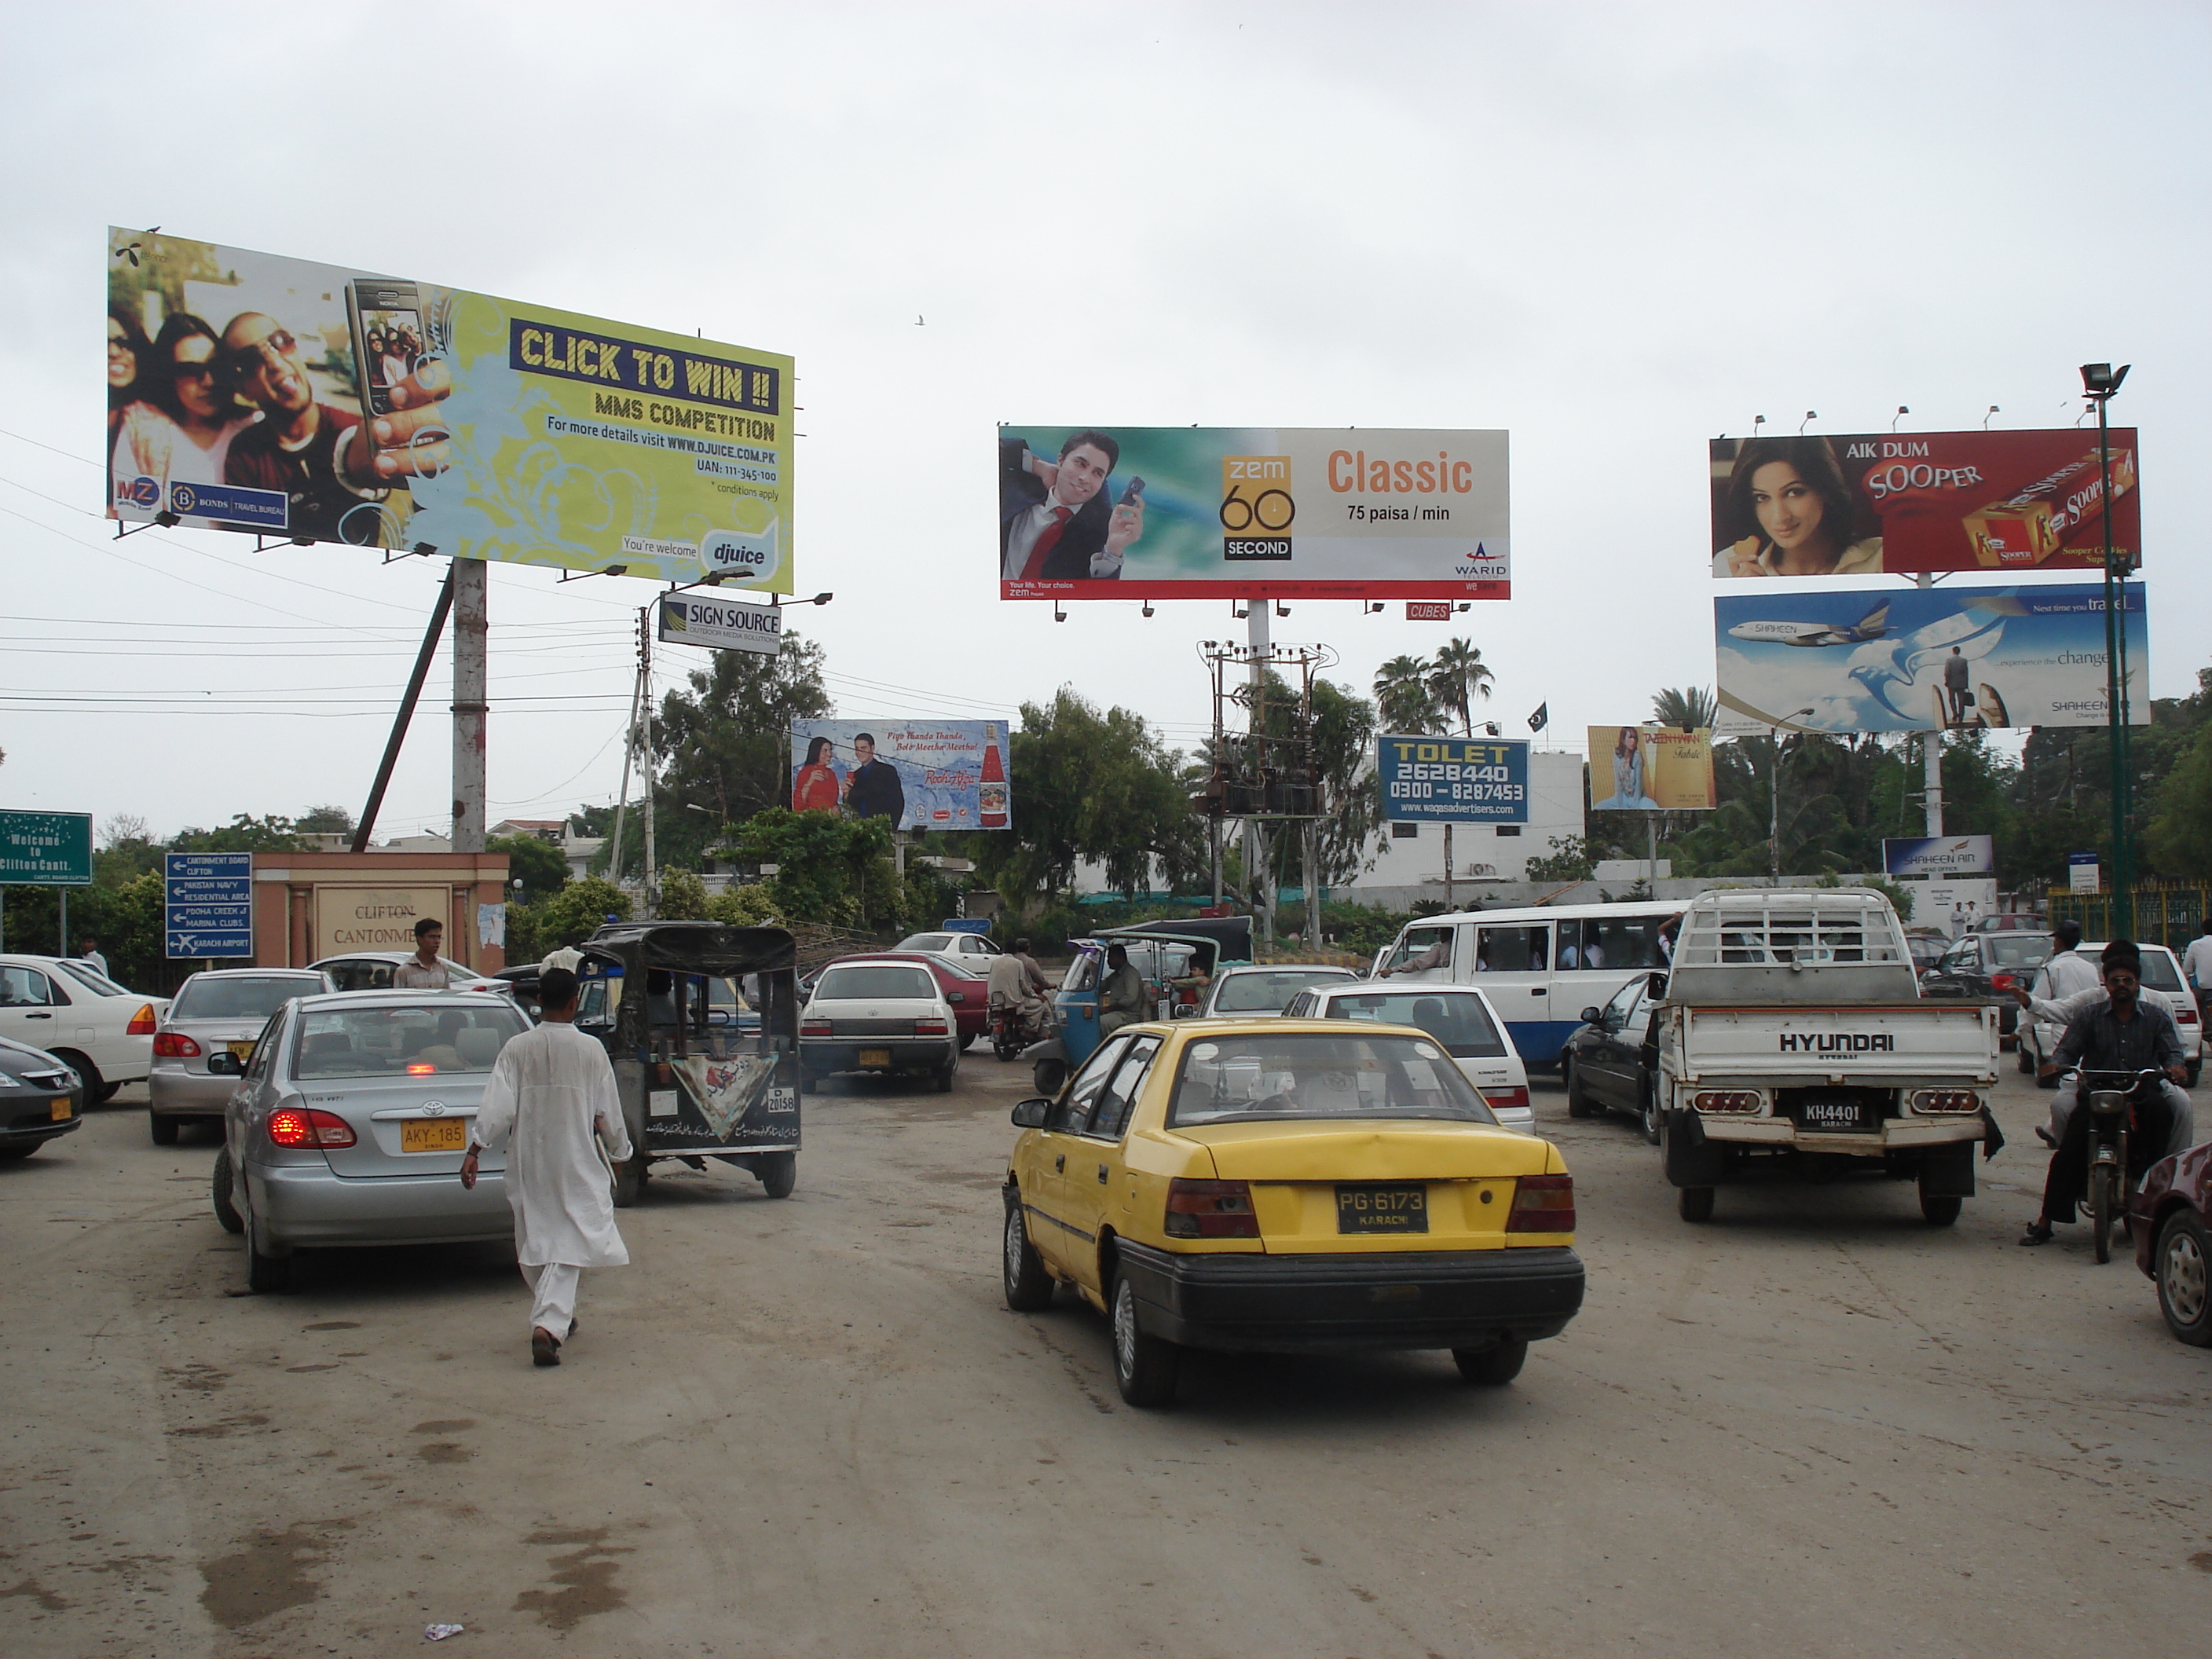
[1872, 626]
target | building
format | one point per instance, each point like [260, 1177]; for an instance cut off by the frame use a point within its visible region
[578, 850]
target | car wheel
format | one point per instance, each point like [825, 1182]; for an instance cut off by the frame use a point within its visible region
[629, 1181]
[944, 1079]
[1939, 1212]
[778, 1173]
[225, 1211]
[2196, 1069]
[1492, 1366]
[96, 1088]
[163, 1129]
[108, 1091]
[266, 1274]
[2180, 1259]
[1047, 1076]
[1694, 1203]
[1027, 1283]
[1145, 1367]
[1647, 1117]
[1579, 1104]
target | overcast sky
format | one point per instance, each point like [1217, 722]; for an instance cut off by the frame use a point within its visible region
[1614, 231]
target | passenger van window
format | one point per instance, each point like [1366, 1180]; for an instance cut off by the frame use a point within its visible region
[1423, 947]
[1514, 949]
[1623, 942]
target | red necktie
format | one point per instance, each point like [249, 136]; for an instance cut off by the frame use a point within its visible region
[1047, 542]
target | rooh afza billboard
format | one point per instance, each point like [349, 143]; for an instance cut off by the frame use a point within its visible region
[252, 392]
[1128, 513]
[1902, 503]
[1920, 659]
[918, 775]
[1650, 768]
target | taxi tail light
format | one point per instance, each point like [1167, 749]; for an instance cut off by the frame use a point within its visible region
[816, 1028]
[1727, 1100]
[1542, 1204]
[141, 1023]
[2003, 981]
[174, 1045]
[1513, 1097]
[1947, 1100]
[2184, 1015]
[290, 1127]
[1210, 1209]
[932, 1028]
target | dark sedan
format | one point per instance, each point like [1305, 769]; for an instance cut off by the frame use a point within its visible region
[1984, 967]
[40, 1098]
[2171, 1217]
[968, 991]
[1613, 1060]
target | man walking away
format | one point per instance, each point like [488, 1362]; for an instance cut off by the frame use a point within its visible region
[2066, 972]
[2195, 963]
[551, 1103]
[1956, 686]
[424, 970]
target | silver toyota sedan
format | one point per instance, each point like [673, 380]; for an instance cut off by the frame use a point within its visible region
[221, 1010]
[347, 1126]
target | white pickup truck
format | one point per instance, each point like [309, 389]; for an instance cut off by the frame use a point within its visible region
[1793, 1030]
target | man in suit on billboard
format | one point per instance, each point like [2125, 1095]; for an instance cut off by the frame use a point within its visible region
[872, 789]
[1054, 521]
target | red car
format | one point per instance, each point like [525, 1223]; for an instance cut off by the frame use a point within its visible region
[968, 991]
[2172, 1218]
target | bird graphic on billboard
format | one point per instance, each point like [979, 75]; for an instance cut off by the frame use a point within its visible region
[1971, 634]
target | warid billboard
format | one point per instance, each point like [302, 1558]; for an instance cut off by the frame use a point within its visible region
[1913, 501]
[1128, 513]
[250, 392]
[1917, 658]
[1454, 780]
[919, 775]
[1650, 768]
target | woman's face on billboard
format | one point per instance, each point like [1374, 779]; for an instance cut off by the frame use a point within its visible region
[1789, 510]
[192, 360]
[122, 362]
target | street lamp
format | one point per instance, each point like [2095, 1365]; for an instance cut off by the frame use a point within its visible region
[2099, 382]
[1774, 798]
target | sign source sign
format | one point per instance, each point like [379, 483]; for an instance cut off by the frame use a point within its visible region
[1920, 659]
[1939, 855]
[721, 624]
[918, 775]
[1454, 780]
[1650, 768]
[1128, 512]
[207, 904]
[45, 849]
[1907, 502]
[390, 412]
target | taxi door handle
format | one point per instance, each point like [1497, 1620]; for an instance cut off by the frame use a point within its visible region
[1536, 991]
[38, 1017]
[1102, 1175]
[1059, 1163]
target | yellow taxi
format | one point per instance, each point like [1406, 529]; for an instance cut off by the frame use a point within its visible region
[1292, 1186]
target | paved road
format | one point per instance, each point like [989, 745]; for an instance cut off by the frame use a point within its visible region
[810, 1428]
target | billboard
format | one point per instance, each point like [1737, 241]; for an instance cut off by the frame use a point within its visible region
[720, 624]
[1921, 658]
[45, 849]
[1454, 780]
[1650, 768]
[207, 905]
[252, 392]
[1909, 502]
[920, 774]
[1938, 855]
[1131, 512]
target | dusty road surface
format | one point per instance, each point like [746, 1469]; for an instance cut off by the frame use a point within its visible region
[809, 1427]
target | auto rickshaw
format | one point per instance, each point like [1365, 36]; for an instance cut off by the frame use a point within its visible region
[700, 1076]
[1176, 967]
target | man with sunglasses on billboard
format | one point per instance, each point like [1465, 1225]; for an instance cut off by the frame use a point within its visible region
[313, 453]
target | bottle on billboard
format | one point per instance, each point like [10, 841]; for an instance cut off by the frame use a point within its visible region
[991, 784]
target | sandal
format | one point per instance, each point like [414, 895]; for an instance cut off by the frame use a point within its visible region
[544, 1347]
[2038, 1232]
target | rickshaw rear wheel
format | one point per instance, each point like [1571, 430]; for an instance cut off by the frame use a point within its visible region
[629, 1181]
[1048, 1076]
[778, 1173]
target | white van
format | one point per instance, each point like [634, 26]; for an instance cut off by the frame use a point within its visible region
[1540, 967]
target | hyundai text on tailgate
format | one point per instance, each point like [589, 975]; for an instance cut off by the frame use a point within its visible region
[1288, 1186]
[1792, 1030]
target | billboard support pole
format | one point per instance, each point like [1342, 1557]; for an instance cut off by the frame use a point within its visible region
[406, 714]
[1931, 758]
[2099, 382]
[1257, 612]
[629, 754]
[471, 592]
[646, 769]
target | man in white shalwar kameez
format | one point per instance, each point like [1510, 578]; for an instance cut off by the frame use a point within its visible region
[551, 1104]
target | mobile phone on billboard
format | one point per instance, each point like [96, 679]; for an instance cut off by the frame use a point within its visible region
[389, 337]
[1129, 496]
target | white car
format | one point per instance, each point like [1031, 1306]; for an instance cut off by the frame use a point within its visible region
[1260, 989]
[371, 970]
[869, 1014]
[99, 1029]
[966, 947]
[2162, 978]
[1459, 1017]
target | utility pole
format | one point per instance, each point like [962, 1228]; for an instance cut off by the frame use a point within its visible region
[1931, 758]
[622, 801]
[2099, 382]
[471, 627]
[648, 771]
[1257, 612]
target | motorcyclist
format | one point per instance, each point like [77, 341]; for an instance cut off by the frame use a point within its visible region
[1017, 986]
[2122, 1034]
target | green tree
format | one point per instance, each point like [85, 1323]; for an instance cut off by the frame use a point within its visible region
[578, 911]
[2179, 841]
[538, 862]
[682, 896]
[829, 869]
[1459, 675]
[325, 821]
[1690, 708]
[744, 907]
[1406, 698]
[243, 834]
[1569, 860]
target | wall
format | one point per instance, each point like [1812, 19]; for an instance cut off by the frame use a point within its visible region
[308, 905]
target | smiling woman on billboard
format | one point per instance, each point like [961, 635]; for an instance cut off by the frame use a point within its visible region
[1791, 514]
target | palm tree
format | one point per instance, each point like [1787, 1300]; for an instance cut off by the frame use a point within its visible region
[1691, 708]
[1405, 700]
[1459, 671]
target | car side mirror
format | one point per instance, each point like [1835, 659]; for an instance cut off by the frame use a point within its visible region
[225, 1064]
[1031, 1114]
[1593, 1016]
[1184, 1010]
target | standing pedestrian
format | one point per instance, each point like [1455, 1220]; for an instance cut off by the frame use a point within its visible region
[87, 952]
[2196, 964]
[425, 970]
[551, 1104]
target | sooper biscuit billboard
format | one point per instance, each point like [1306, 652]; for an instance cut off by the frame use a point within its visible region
[1454, 780]
[1915, 659]
[247, 392]
[1129, 513]
[919, 775]
[1650, 768]
[1907, 502]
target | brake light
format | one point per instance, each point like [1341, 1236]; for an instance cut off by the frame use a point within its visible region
[174, 1045]
[1507, 1098]
[1543, 1204]
[931, 1028]
[2002, 981]
[1727, 1100]
[1947, 1100]
[2184, 1016]
[1210, 1209]
[290, 1127]
[141, 1023]
[815, 1027]
[420, 1068]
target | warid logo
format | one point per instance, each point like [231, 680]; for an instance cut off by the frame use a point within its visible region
[1256, 506]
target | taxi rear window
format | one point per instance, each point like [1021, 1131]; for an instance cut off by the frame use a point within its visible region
[1312, 1074]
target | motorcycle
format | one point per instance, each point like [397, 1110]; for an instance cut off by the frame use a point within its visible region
[1011, 1030]
[2109, 1098]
